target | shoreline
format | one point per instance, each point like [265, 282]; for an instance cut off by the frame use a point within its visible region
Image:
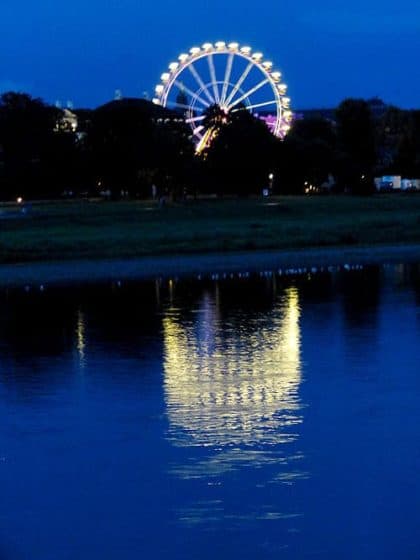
[146, 268]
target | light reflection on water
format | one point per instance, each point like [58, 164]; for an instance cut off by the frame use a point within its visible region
[233, 390]
[81, 338]
[260, 418]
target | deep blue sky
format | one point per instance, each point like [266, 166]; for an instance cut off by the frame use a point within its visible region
[83, 50]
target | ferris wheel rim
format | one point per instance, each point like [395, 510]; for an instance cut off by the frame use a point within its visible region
[255, 60]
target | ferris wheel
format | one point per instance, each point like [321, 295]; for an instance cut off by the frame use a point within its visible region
[224, 78]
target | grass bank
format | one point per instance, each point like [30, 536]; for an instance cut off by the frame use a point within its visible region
[58, 231]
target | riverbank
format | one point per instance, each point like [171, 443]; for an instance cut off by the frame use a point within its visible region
[41, 275]
[91, 241]
[99, 230]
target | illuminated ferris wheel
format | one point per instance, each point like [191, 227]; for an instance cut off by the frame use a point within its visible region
[222, 79]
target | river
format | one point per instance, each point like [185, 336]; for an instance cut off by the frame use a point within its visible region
[258, 416]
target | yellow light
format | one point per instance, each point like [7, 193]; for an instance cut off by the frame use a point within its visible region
[237, 387]
[257, 55]
[267, 64]
[159, 88]
[183, 57]
[19, 200]
[165, 77]
[156, 101]
[207, 46]
[220, 45]
[195, 50]
[276, 76]
[173, 66]
[233, 46]
[205, 140]
[246, 50]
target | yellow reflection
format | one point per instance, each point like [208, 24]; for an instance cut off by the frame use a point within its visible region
[81, 337]
[235, 383]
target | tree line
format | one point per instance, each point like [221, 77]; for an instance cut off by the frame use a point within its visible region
[126, 146]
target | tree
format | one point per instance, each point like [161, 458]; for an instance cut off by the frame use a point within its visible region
[307, 155]
[356, 141]
[389, 130]
[407, 157]
[28, 138]
[132, 142]
[241, 153]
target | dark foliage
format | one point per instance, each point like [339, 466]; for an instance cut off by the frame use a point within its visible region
[132, 143]
[33, 148]
[126, 146]
[308, 155]
[241, 154]
[356, 155]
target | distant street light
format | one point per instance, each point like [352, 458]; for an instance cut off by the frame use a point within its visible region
[270, 182]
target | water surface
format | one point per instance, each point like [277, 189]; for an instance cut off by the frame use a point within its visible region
[261, 417]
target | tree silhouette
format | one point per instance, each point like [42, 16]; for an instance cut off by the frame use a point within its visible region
[356, 138]
[308, 155]
[30, 142]
[133, 142]
[241, 154]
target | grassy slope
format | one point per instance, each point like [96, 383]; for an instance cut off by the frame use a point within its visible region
[83, 229]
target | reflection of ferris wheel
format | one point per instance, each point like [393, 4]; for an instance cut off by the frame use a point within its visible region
[226, 78]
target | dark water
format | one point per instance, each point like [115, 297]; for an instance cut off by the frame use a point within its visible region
[258, 418]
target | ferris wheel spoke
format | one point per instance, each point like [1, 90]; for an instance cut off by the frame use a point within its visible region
[204, 140]
[195, 119]
[200, 82]
[249, 92]
[191, 93]
[227, 77]
[238, 84]
[213, 78]
[178, 105]
[255, 106]
[197, 130]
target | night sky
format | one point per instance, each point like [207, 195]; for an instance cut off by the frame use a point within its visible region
[83, 50]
